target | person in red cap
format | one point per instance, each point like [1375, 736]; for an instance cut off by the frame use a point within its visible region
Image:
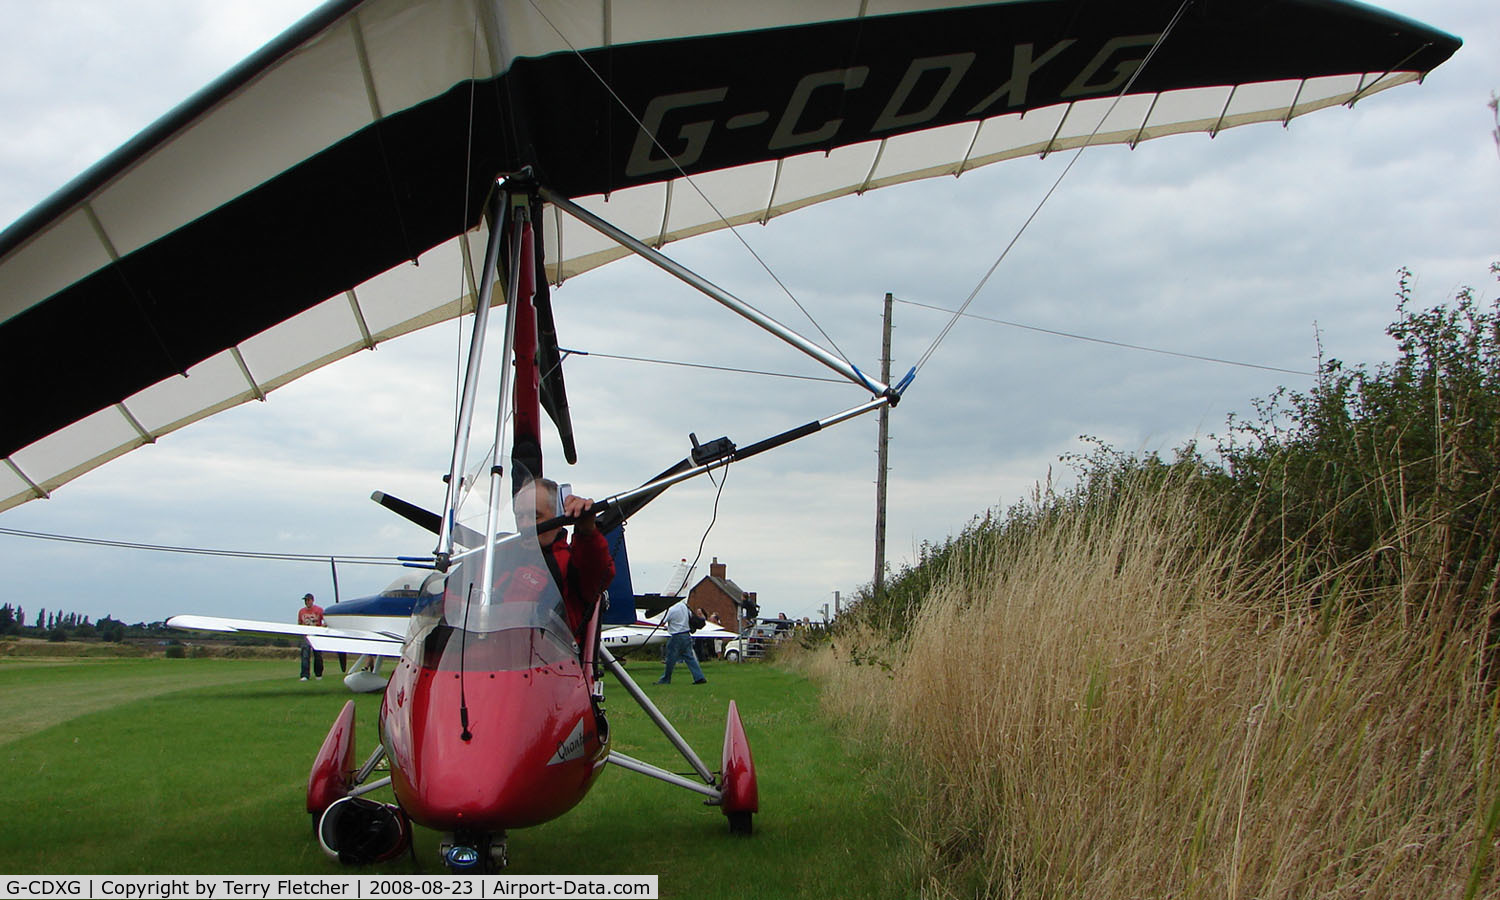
[310, 614]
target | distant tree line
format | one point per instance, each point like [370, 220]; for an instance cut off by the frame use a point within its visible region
[59, 625]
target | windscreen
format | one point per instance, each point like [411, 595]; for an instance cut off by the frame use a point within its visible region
[512, 619]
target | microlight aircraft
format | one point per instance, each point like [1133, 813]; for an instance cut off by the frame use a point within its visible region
[264, 229]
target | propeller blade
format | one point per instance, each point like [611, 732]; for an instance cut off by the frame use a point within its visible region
[431, 521]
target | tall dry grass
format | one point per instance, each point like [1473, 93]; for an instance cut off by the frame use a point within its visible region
[1119, 706]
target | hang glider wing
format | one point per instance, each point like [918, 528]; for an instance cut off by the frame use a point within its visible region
[337, 640]
[273, 223]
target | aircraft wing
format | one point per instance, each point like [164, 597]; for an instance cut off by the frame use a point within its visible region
[654, 624]
[714, 632]
[364, 646]
[271, 224]
[622, 637]
[339, 640]
[650, 634]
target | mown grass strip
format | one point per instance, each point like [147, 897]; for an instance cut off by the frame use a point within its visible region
[210, 780]
[39, 693]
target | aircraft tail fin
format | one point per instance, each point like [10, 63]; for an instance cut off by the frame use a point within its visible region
[679, 579]
[621, 591]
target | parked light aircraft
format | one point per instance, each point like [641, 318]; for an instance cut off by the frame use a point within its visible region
[265, 228]
[373, 629]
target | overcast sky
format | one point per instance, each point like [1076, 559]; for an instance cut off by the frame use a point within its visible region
[1251, 246]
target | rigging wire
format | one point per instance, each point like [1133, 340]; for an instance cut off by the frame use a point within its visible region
[1097, 340]
[701, 541]
[463, 233]
[718, 493]
[565, 352]
[204, 551]
[963, 307]
[690, 182]
[465, 270]
[691, 365]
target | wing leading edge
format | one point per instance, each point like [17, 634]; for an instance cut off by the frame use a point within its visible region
[339, 640]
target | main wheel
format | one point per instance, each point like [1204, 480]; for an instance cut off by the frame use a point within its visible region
[740, 822]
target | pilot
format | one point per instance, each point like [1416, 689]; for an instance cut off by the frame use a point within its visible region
[583, 569]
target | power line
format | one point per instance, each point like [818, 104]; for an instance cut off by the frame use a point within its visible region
[360, 560]
[1097, 340]
[204, 551]
[689, 365]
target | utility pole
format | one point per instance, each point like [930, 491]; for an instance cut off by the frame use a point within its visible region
[880, 454]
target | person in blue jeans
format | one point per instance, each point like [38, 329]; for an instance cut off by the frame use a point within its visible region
[310, 614]
[680, 643]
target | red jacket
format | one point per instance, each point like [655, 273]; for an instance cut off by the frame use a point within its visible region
[586, 569]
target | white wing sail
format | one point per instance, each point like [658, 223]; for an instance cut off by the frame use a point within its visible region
[269, 225]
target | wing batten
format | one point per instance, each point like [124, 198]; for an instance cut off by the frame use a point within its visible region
[356, 32]
[239, 360]
[36, 491]
[359, 317]
[146, 436]
[765, 215]
[1219, 125]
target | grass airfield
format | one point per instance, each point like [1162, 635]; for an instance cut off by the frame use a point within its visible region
[199, 766]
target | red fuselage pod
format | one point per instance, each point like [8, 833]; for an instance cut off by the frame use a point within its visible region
[532, 749]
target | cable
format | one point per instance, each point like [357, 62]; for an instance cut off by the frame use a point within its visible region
[714, 518]
[701, 541]
[465, 265]
[1055, 184]
[694, 185]
[1084, 337]
[689, 365]
[203, 551]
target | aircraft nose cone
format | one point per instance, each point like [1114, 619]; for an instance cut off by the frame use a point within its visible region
[531, 754]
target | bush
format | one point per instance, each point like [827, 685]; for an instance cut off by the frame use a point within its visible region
[1266, 674]
[1372, 478]
[1385, 475]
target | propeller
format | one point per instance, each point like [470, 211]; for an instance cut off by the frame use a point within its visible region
[431, 521]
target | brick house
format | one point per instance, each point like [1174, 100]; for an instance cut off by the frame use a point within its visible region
[715, 593]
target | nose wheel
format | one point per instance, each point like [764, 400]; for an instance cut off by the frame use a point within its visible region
[474, 853]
